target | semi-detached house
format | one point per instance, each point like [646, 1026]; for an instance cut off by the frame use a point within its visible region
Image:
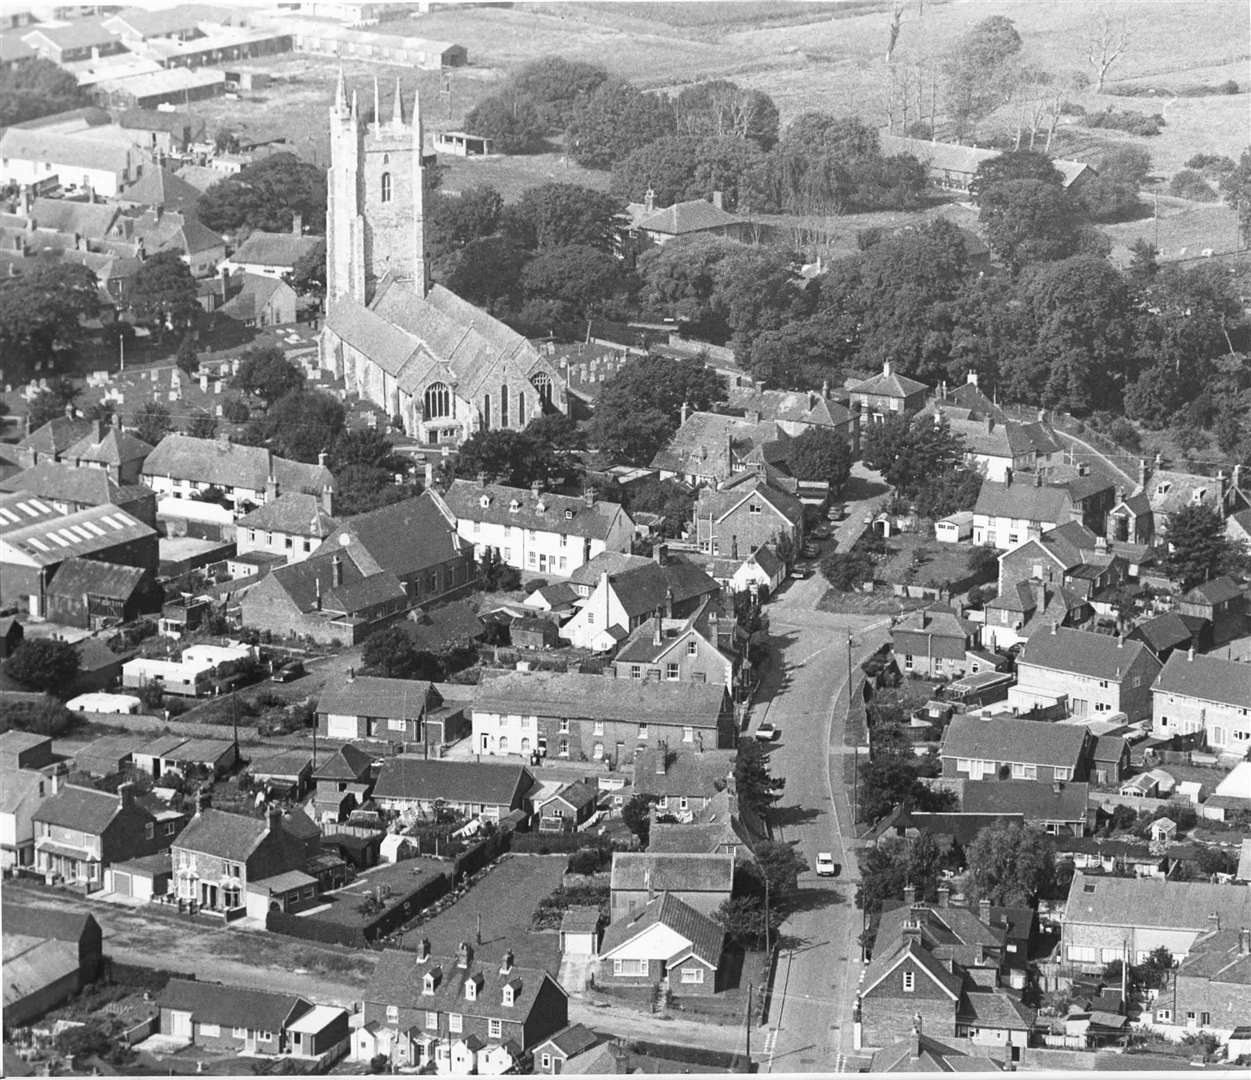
[1098, 674]
[1010, 513]
[1204, 693]
[1011, 749]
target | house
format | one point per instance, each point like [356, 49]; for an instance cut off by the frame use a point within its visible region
[568, 808]
[1059, 809]
[81, 39]
[918, 1052]
[530, 529]
[1210, 987]
[669, 586]
[1131, 519]
[1169, 491]
[745, 513]
[666, 940]
[794, 411]
[697, 649]
[551, 1057]
[253, 300]
[1095, 673]
[682, 782]
[952, 166]
[219, 855]
[940, 967]
[1205, 694]
[31, 555]
[1031, 607]
[21, 792]
[77, 929]
[419, 1011]
[241, 1020]
[93, 595]
[71, 487]
[445, 628]
[995, 447]
[875, 398]
[368, 707]
[489, 790]
[119, 453]
[81, 831]
[1107, 918]
[933, 643]
[52, 440]
[596, 718]
[710, 448]
[691, 217]
[1220, 603]
[293, 525]
[273, 255]
[703, 882]
[343, 782]
[1010, 749]
[160, 186]
[1007, 514]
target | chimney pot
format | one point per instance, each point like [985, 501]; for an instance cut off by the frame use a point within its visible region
[1214, 920]
[910, 894]
[944, 896]
[983, 910]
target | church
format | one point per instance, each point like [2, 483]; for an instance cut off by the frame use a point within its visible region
[439, 365]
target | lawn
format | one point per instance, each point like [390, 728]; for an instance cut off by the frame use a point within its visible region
[388, 881]
[505, 897]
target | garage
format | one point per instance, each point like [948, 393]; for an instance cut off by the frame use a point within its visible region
[579, 931]
[180, 1024]
[143, 879]
[122, 883]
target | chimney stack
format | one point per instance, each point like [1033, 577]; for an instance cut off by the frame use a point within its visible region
[423, 950]
[910, 894]
[536, 488]
[718, 200]
[1244, 942]
[657, 631]
[944, 896]
[686, 411]
[916, 1037]
[297, 224]
[669, 602]
[271, 488]
[588, 497]
[464, 954]
[506, 963]
[1142, 472]
[1214, 920]
[662, 758]
[336, 571]
[649, 201]
[126, 793]
[983, 910]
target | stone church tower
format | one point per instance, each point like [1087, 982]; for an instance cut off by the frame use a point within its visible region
[375, 205]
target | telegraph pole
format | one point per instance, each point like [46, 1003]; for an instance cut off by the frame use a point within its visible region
[750, 988]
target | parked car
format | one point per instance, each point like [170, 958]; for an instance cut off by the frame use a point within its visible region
[768, 733]
[289, 672]
[802, 572]
[826, 866]
[810, 551]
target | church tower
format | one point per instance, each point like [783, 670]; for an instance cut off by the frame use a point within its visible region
[375, 202]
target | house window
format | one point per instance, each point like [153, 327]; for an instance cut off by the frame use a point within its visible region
[149, 830]
[386, 187]
[239, 1032]
[693, 976]
[564, 725]
[907, 661]
[169, 828]
[909, 982]
[564, 747]
[643, 731]
[599, 728]
[432, 1021]
[636, 671]
[495, 1028]
[1205, 1019]
[598, 753]
[753, 508]
[264, 1036]
[684, 803]
[629, 967]
[692, 647]
[393, 1014]
[1164, 1015]
[1082, 954]
[531, 558]
[1024, 772]
[672, 673]
[1061, 774]
[546, 1061]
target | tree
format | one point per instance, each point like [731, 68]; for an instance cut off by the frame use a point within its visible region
[910, 453]
[821, 454]
[673, 501]
[723, 109]
[392, 653]
[267, 374]
[41, 308]
[638, 407]
[267, 194]
[487, 272]
[614, 120]
[1112, 194]
[202, 426]
[554, 85]
[576, 275]
[1015, 165]
[1107, 38]
[847, 570]
[151, 422]
[637, 816]
[976, 71]
[744, 920]
[454, 221]
[163, 293]
[51, 403]
[308, 275]
[556, 431]
[1236, 187]
[44, 664]
[508, 457]
[757, 788]
[188, 360]
[46, 716]
[895, 863]
[780, 866]
[37, 87]
[678, 168]
[511, 121]
[302, 424]
[1199, 550]
[1010, 864]
[557, 215]
[1030, 221]
[235, 411]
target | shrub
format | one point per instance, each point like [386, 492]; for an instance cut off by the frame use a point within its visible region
[46, 717]
[585, 861]
[1188, 184]
[1216, 162]
[1133, 123]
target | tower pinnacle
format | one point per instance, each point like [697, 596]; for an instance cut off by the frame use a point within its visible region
[397, 116]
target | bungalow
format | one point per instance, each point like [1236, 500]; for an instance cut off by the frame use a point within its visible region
[1059, 809]
[1009, 749]
[665, 940]
[568, 808]
[702, 881]
[368, 707]
[476, 789]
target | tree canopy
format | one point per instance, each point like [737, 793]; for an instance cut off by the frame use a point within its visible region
[679, 167]
[758, 789]
[1010, 864]
[41, 308]
[554, 85]
[267, 374]
[911, 452]
[614, 120]
[821, 454]
[1199, 550]
[152, 422]
[391, 653]
[301, 424]
[511, 120]
[515, 458]
[35, 88]
[557, 215]
[44, 664]
[1031, 221]
[267, 194]
[163, 293]
[722, 109]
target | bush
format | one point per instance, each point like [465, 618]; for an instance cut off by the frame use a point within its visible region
[47, 717]
[847, 570]
[1123, 433]
[1132, 123]
[586, 861]
[1216, 162]
[1188, 184]
[44, 664]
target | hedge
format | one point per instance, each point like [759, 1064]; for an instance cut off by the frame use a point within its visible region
[536, 843]
[402, 909]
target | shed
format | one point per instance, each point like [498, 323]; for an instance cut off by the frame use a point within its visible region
[318, 1031]
[955, 528]
[580, 930]
[289, 892]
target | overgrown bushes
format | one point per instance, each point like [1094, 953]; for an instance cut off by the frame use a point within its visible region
[1133, 123]
[552, 907]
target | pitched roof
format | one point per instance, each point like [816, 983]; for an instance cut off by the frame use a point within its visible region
[360, 586]
[1022, 501]
[453, 781]
[1208, 678]
[548, 693]
[1153, 903]
[53, 540]
[294, 512]
[792, 406]
[606, 562]
[222, 834]
[406, 537]
[65, 482]
[636, 871]
[89, 219]
[445, 627]
[719, 502]
[32, 964]
[921, 1053]
[708, 444]
[231, 1006]
[80, 577]
[705, 935]
[1217, 956]
[368, 695]
[1004, 739]
[1038, 802]
[1081, 652]
[571, 1040]
[887, 383]
[274, 249]
[161, 187]
[886, 960]
[108, 445]
[1110, 747]
[81, 808]
[398, 979]
[960, 158]
[57, 434]
[1217, 591]
[565, 514]
[648, 588]
[1167, 631]
[685, 774]
[58, 923]
[69, 149]
[578, 794]
[78, 34]
[228, 464]
[684, 218]
[347, 763]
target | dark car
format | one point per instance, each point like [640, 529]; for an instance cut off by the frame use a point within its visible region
[290, 671]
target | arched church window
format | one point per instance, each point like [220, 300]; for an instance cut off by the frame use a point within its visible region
[386, 159]
[438, 401]
[386, 187]
[504, 406]
[543, 384]
[486, 412]
[521, 409]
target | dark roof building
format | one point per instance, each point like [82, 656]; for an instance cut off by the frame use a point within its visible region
[485, 787]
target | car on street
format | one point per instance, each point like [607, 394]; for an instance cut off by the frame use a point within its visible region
[801, 572]
[768, 733]
[826, 866]
[811, 551]
[289, 672]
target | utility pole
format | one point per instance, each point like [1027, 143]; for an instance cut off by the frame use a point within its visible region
[750, 988]
[766, 928]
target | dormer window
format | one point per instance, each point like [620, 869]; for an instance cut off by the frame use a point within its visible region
[472, 986]
[430, 981]
[541, 507]
[1162, 489]
[514, 506]
[485, 501]
[510, 992]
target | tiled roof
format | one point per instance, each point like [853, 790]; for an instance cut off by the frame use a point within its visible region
[1208, 678]
[89, 219]
[227, 464]
[406, 537]
[887, 383]
[547, 693]
[1003, 739]
[705, 935]
[231, 1006]
[686, 773]
[611, 563]
[790, 406]
[222, 834]
[920, 1053]
[1216, 591]
[720, 502]
[1151, 903]
[1109, 748]
[436, 629]
[565, 514]
[581, 918]
[947, 932]
[1081, 652]
[648, 588]
[578, 794]
[108, 446]
[47, 922]
[990, 1008]
[357, 592]
[293, 512]
[709, 443]
[571, 1040]
[85, 809]
[274, 249]
[397, 980]
[1217, 956]
[69, 149]
[1038, 802]
[886, 960]
[65, 482]
[80, 577]
[32, 964]
[347, 763]
[160, 187]
[1169, 491]
[960, 158]
[57, 434]
[1023, 501]
[635, 871]
[683, 218]
[453, 781]
[367, 695]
